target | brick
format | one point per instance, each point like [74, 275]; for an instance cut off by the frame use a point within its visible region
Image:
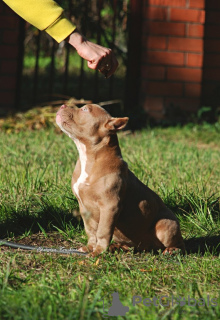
[156, 115]
[187, 15]
[7, 82]
[184, 74]
[165, 88]
[165, 28]
[190, 104]
[167, 3]
[165, 58]
[7, 51]
[211, 60]
[155, 42]
[186, 44]
[8, 67]
[150, 72]
[212, 46]
[10, 37]
[211, 74]
[212, 31]
[200, 4]
[156, 13]
[153, 103]
[193, 89]
[196, 30]
[194, 60]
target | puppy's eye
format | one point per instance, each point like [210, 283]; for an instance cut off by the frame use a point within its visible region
[84, 109]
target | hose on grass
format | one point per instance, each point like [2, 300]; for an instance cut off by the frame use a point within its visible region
[39, 249]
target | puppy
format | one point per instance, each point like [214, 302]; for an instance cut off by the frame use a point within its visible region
[113, 202]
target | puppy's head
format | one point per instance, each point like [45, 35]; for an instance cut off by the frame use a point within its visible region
[90, 122]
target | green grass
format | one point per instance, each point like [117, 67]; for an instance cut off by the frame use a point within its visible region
[37, 207]
[45, 61]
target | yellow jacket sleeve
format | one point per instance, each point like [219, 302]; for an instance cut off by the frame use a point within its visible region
[45, 15]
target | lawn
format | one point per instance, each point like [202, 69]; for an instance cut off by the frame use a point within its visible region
[37, 207]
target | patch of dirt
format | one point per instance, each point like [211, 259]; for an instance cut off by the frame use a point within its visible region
[51, 241]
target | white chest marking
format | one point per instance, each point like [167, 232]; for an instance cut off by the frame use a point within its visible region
[83, 175]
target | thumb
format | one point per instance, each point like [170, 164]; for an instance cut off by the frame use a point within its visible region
[92, 64]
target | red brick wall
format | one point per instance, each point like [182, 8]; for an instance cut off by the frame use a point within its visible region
[172, 55]
[9, 52]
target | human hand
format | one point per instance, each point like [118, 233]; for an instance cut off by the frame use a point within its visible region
[97, 57]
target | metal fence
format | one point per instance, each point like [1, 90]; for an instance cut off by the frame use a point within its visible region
[52, 71]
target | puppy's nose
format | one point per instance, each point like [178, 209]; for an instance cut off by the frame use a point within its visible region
[63, 106]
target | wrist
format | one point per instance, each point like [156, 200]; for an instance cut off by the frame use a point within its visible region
[75, 39]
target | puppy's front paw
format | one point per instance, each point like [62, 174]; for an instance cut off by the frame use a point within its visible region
[93, 254]
[98, 250]
[84, 249]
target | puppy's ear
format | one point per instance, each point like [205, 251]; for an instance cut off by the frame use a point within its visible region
[116, 124]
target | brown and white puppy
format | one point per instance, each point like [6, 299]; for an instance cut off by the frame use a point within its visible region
[112, 201]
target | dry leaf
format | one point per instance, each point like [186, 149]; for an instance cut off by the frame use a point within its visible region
[144, 270]
[97, 262]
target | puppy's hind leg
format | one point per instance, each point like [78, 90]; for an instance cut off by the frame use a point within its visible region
[169, 234]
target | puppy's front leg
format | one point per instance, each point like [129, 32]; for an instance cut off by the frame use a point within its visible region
[108, 218]
[91, 227]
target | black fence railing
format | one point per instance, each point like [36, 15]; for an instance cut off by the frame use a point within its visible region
[53, 71]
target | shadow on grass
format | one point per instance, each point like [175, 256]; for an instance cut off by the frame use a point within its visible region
[50, 218]
[204, 211]
[194, 210]
[203, 244]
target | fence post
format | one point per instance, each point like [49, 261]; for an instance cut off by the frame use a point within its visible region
[20, 62]
[11, 44]
[134, 55]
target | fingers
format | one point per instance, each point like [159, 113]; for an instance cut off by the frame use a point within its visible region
[105, 62]
[98, 57]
